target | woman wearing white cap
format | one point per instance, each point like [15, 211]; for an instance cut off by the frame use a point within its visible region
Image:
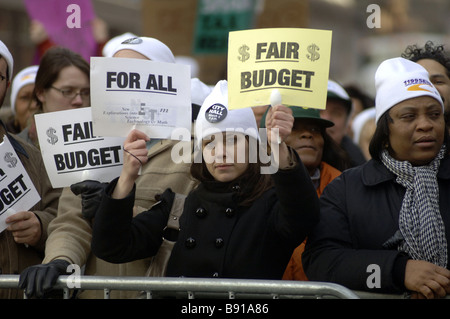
[238, 223]
[23, 105]
[384, 225]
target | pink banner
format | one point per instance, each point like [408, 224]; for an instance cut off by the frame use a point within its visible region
[60, 21]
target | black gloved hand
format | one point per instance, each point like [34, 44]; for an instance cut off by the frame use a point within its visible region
[38, 280]
[91, 196]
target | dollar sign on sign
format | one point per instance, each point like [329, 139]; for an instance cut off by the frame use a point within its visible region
[314, 54]
[244, 54]
[52, 137]
[9, 158]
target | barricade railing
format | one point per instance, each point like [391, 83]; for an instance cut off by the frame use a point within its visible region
[155, 287]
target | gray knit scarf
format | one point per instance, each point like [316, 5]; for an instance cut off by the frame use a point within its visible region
[420, 220]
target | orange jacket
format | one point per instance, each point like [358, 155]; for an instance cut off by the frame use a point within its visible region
[294, 269]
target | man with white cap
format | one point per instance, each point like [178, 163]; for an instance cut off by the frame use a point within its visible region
[23, 242]
[338, 110]
[70, 234]
[384, 225]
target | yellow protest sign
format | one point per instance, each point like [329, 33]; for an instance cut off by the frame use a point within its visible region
[293, 60]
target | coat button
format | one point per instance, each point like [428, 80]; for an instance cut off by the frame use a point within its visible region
[229, 212]
[200, 212]
[219, 242]
[236, 188]
[190, 242]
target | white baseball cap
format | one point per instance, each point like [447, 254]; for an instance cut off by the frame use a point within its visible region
[151, 48]
[335, 91]
[399, 79]
[112, 43]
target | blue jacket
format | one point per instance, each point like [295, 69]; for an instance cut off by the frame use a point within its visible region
[359, 212]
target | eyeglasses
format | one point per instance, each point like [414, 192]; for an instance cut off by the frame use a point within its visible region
[72, 93]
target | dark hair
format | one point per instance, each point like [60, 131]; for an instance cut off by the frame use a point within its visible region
[380, 138]
[355, 92]
[333, 154]
[252, 183]
[429, 51]
[53, 61]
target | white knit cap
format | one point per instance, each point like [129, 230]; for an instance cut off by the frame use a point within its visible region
[108, 49]
[24, 77]
[399, 79]
[214, 116]
[199, 91]
[4, 52]
[151, 48]
[360, 120]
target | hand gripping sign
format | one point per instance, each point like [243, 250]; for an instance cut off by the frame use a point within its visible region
[71, 151]
[294, 61]
[17, 191]
[154, 97]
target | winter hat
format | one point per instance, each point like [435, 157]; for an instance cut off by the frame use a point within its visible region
[153, 49]
[199, 92]
[4, 52]
[24, 77]
[109, 47]
[360, 120]
[399, 79]
[215, 117]
[335, 91]
[187, 60]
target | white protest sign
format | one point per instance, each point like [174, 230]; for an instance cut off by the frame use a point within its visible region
[72, 153]
[126, 94]
[17, 191]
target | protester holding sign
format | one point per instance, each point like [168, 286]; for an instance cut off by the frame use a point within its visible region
[384, 225]
[22, 243]
[62, 83]
[70, 233]
[238, 223]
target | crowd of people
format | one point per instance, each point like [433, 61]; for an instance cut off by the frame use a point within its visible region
[362, 182]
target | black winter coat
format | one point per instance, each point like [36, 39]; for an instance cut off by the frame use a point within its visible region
[359, 212]
[217, 238]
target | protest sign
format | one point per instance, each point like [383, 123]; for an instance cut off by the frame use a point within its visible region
[71, 151]
[154, 97]
[295, 61]
[17, 191]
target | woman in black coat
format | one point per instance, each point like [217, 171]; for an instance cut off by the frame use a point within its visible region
[238, 223]
[384, 225]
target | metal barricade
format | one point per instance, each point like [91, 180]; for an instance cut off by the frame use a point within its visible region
[191, 288]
